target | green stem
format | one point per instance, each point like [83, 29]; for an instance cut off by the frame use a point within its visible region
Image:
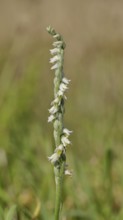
[59, 175]
[58, 127]
[59, 166]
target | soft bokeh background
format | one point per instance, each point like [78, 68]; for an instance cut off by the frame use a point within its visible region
[93, 32]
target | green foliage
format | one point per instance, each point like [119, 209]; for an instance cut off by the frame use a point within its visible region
[93, 111]
[10, 215]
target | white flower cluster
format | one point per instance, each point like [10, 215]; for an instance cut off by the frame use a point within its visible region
[57, 61]
[57, 101]
[54, 158]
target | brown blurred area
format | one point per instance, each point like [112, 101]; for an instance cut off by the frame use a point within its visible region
[84, 24]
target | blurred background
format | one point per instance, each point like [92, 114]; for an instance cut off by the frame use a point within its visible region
[93, 32]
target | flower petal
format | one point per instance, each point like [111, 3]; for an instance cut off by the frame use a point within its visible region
[57, 43]
[65, 141]
[56, 101]
[56, 36]
[51, 118]
[53, 109]
[60, 93]
[55, 66]
[54, 51]
[67, 132]
[65, 80]
[63, 87]
[54, 59]
[68, 172]
[53, 158]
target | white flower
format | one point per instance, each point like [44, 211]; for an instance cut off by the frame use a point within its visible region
[68, 172]
[67, 132]
[57, 43]
[54, 59]
[63, 87]
[60, 148]
[56, 101]
[51, 118]
[54, 51]
[53, 110]
[55, 66]
[56, 35]
[53, 158]
[60, 93]
[65, 141]
[65, 80]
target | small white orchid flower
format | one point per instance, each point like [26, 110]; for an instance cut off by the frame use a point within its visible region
[65, 80]
[55, 66]
[56, 35]
[53, 158]
[51, 118]
[60, 147]
[53, 109]
[63, 87]
[60, 93]
[65, 141]
[56, 101]
[67, 132]
[57, 43]
[55, 51]
[68, 172]
[54, 59]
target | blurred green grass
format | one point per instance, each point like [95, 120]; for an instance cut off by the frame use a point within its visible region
[95, 101]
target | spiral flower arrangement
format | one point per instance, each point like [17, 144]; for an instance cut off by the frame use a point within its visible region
[61, 134]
